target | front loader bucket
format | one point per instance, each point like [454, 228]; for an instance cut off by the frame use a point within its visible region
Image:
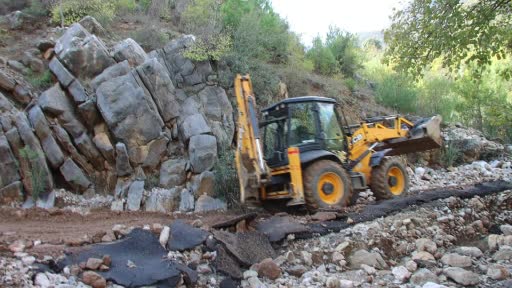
[425, 135]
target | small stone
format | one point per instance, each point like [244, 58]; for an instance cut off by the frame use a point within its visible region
[469, 251]
[502, 255]
[94, 279]
[342, 246]
[93, 263]
[423, 255]
[307, 258]
[498, 272]
[254, 282]
[346, 283]
[296, 270]
[433, 285]
[42, 280]
[401, 274]
[423, 276]
[267, 268]
[17, 246]
[462, 276]
[456, 260]
[424, 244]
[106, 260]
[28, 260]
[164, 236]
[250, 273]
[333, 282]
[506, 229]
[323, 216]
[368, 269]
[372, 259]
[411, 266]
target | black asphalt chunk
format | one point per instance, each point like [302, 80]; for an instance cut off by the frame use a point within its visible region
[183, 236]
[143, 249]
[229, 283]
[387, 207]
[226, 264]
[248, 248]
[235, 219]
[277, 227]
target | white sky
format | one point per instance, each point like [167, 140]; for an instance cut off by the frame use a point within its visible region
[312, 17]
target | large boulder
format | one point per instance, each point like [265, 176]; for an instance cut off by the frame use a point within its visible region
[122, 104]
[83, 54]
[218, 112]
[74, 176]
[130, 51]
[163, 200]
[159, 84]
[194, 125]
[111, 72]
[172, 173]
[9, 172]
[202, 151]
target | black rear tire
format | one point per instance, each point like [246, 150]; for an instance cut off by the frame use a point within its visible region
[389, 179]
[326, 185]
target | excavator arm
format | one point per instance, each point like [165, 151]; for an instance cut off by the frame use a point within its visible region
[251, 166]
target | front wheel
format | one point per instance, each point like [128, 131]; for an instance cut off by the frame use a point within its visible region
[326, 185]
[389, 179]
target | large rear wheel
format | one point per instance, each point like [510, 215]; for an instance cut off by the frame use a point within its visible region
[326, 185]
[389, 179]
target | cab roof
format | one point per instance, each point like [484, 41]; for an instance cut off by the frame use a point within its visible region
[300, 99]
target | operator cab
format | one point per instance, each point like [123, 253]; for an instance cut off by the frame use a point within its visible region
[308, 122]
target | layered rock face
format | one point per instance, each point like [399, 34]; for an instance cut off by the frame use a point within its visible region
[117, 119]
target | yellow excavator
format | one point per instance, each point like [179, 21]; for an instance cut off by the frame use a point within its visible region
[300, 152]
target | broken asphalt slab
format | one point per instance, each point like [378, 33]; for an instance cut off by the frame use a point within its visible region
[277, 227]
[234, 220]
[248, 248]
[387, 207]
[183, 236]
[142, 248]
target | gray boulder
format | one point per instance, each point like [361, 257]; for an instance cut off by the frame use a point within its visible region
[75, 31]
[423, 276]
[74, 176]
[186, 201]
[203, 184]
[92, 25]
[206, 203]
[157, 150]
[122, 104]
[159, 84]
[172, 173]
[22, 94]
[111, 72]
[62, 73]
[104, 145]
[202, 152]
[371, 259]
[162, 200]
[52, 151]
[89, 150]
[194, 125]
[7, 83]
[12, 193]
[135, 194]
[131, 51]
[84, 57]
[77, 91]
[462, 276]
[9, 172]
[123, 166]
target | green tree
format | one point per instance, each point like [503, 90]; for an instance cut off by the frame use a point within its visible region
[343, 46]
[457, 31]
[322, 57]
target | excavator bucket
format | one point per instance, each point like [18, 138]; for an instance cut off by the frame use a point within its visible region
[424, 135]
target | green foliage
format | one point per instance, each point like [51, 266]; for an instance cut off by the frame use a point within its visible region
[460, 32]
[322, 57]
[41, 81]
[227, 186]
[214, 49]
[150, 38]
[74, 10]
[450, 154]
[36, 8]
[397, 91]
[37, 174]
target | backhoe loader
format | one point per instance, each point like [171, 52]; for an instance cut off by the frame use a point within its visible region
[300, 152]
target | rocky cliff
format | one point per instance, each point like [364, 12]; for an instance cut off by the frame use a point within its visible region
[117, 121]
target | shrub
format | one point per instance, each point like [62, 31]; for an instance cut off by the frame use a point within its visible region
[41, 81]
[150, 38]
[37, 9]
[37, 175]
[226, 178]
[213, 49]
[74, 10]
[396, 91]
[450, 154]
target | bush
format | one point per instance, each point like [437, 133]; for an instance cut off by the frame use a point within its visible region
[37, 175]
[450, 154]
[41, 81]
[213, 49]
[150, 38]
[227, 185]
[74, 10]
[37, 9]
[396, 91]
